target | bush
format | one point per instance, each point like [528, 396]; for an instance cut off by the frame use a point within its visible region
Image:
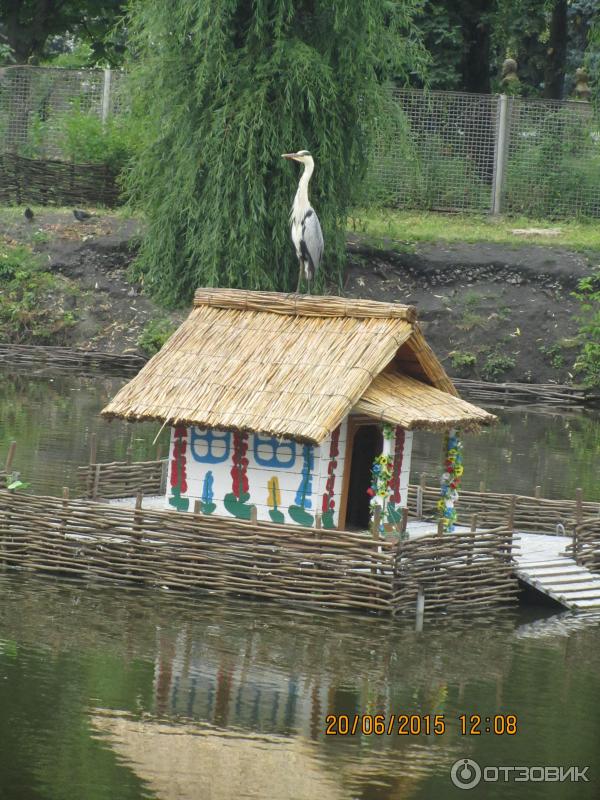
[588, 361]
[462, 360]
[81, 137]
[30, 310]
[155, 334]
[496, 364]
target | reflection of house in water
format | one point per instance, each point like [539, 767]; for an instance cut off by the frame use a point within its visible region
[196, 680]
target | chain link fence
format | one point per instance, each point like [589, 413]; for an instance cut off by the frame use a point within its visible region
[444, 151]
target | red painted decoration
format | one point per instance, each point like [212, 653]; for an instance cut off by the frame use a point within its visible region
[328, 501]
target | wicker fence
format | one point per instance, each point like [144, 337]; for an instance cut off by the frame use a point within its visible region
[330, 569]
[25, 180]
[463, 572]
[34, 356]
[533, 514]
[586, 544]
[119, 479]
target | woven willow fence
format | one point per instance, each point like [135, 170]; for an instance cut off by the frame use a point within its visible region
[533, 514]
[586, 544]
[458, 572]
[120, 479]
[70, 357]
[25, 180]
[79, 538]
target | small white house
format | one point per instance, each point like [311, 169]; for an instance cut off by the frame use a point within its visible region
[296, 405]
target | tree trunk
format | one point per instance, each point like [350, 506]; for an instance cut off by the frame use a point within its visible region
[554, 74]
[27, 40]
[476, 60]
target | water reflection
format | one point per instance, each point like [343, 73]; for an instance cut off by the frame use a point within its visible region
[147, 694]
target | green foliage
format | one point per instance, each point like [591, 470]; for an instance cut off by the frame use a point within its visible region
[496, 364]
[462, 360]
[554, 166]
[588, 361]
[222, 91]
[26, 313]
[82, 137]
[155, 334]
[554, 355]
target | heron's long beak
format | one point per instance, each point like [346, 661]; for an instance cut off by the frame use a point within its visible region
[291, 156]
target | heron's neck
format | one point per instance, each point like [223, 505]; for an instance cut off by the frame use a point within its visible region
[301, 202]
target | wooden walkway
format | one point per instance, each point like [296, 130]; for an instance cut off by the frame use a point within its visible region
[543, 564]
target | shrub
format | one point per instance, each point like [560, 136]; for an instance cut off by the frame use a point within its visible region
[588, 360]
[155, 334]
[462, 360]
[496, 364]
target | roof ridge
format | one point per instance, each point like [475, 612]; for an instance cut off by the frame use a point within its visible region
[302, 305]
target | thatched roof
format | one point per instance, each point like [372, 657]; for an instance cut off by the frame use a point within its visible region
[405, 401]
[284, 365]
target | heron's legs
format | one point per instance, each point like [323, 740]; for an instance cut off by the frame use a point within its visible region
[300, 269]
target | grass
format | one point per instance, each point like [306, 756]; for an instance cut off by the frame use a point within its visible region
[404, 229]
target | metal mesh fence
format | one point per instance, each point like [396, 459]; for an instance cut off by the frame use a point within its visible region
[35, 103]
[445, 151]
[437, 152]
[552, 166]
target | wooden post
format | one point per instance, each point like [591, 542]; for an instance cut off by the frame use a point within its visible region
[473, 531]
[93, 446]
[318, 521]
[96, 482]
[537, 492]
[137, 515]
[420, 609]
[482, 486]
[164, 475]
[510, 522]
[376, 522]
[128, 454]
[158, 452]
[578, 506]
[421, 495]
[440, 527]
[404, 521]
[196, 507]
[64, 517]
[253, 515]
[10, 456]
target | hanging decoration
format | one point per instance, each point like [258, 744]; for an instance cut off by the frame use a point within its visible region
[381, 476]
[451, 478]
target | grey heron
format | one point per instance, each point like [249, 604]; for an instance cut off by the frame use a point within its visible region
[306, 228]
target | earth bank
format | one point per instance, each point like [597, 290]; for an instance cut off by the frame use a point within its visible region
[490, 311]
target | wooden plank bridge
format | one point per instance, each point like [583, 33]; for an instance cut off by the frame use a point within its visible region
[543, 563]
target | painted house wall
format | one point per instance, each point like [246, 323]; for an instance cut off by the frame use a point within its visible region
[228, 472]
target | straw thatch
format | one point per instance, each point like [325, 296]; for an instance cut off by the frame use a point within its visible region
[407, 402]
[284, 365]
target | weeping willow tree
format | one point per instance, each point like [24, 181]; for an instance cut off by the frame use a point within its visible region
[222, 90]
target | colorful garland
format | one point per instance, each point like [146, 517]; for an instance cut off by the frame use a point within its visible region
[381, 475]
[451, 480]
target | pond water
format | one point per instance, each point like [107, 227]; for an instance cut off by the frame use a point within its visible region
[52, 416]
[113, 693]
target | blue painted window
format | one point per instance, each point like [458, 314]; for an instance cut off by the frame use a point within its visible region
[271, 452]
[209, 447]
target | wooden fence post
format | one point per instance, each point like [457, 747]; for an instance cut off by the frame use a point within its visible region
[318, 522]
[404, 522]
[511, 524]
[376, 522]
[421, 495]
[578, 506]
[420, 609]
[537, 492]
[164, 474]
[253, 515]
[440, 527]
[10, 456]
